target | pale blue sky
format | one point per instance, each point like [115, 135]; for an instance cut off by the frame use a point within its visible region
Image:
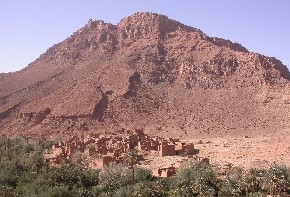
[29, 27]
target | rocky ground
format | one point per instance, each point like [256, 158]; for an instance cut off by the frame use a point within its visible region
[248, 151]
[259, 151]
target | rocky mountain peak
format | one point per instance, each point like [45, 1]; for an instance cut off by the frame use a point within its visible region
[147, 71]
[96, 25]
[146, 25]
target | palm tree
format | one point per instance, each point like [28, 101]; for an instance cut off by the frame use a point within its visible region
[194, 178]
[131, 159]
[252, 180]
[276, 180]
[37, 160]
[232, 184]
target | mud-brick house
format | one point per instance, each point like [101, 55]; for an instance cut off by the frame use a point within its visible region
[188, 148]
[133, 140]
[184, 148]
[166, 149]
[147, 145]
[100, 163]
[164, 172]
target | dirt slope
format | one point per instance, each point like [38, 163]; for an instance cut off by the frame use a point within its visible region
[147, 71]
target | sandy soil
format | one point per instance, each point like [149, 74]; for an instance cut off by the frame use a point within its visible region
[246, 151]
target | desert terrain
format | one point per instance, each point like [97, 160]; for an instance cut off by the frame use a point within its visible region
[256, 151]
[155, 73]
[249, 151]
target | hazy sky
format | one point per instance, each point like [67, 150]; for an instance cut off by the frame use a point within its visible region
[29, 27]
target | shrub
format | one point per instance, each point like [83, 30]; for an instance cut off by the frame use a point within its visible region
[232, 185]
[194, 178]
[142, 174]
[276, 180]
[145, 189]
[115, 176]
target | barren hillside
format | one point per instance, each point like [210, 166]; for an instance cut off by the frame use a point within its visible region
[147, 71]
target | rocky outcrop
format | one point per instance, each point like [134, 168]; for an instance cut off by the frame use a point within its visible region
[7, 113]
[134, 82]
[35, 117]
[227, 43]
[101, 106]
[149, 26]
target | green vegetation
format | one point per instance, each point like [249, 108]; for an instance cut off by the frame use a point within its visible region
[24, 172]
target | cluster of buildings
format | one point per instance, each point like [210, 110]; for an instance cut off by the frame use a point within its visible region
[104, 149]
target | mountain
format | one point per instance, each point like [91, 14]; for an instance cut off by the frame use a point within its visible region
[151, 72]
